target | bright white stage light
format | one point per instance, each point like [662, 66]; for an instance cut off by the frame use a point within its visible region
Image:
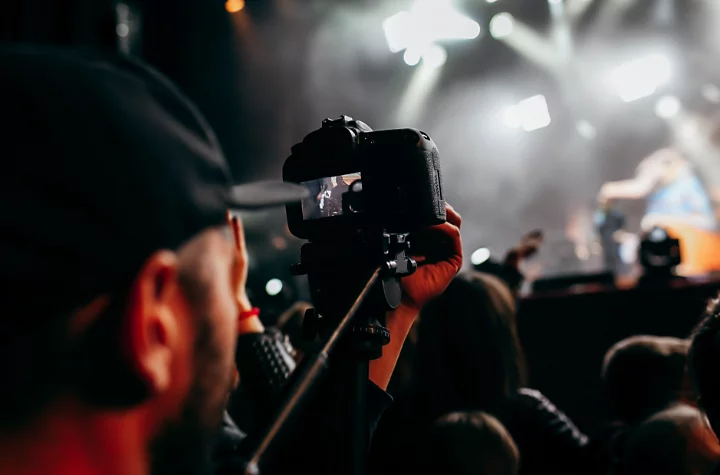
[711, 93]
[585, 129]
[640, 78]
[535, 113]
[657, 235]
[480, 256]
[530, 114]
[273, 287]
[501, 25]
[428, 22]
[629, 247]
[437, 20]
[122, 30]
[667, 107]
[399, 31]
[434, 57]
[412, 56]
[491, 1]
[511, 117]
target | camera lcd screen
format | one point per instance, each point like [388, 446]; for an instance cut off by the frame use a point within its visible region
[326, 196]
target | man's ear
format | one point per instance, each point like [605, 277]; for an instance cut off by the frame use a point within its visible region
[153, 323]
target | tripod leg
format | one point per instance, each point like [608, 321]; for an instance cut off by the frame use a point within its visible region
[349, 378]
[359, 419]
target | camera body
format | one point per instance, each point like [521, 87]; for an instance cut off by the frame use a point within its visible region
[360, 179]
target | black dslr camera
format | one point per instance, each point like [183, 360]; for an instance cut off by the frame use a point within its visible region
[361, 180]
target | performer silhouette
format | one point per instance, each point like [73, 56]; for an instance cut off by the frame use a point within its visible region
[676, 200]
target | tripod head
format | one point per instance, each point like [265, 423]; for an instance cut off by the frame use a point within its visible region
[353, 284]
[337, 272]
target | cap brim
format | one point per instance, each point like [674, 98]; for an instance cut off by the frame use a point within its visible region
[265, 194]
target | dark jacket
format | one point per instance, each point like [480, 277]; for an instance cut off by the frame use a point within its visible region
[546, 438]
[267, 368]
[305, 449]
[548, 441]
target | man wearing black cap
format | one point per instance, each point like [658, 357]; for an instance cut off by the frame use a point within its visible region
[119, 288]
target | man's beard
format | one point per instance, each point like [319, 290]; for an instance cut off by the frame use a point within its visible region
[185, 445]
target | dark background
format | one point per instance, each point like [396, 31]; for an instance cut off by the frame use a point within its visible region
[267, 75]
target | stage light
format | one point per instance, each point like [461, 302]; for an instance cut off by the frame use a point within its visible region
[711, 93]
[629, 248]
[434, 57]
[437, 20]
[535, 113]
[491, 1]
[511, 117]
[640, 78]
[667, 107]
[659, 253]
[501, 25]
[480, 256]
[427, 22]
[122, 30]
[657, 235]
[234, 6]
[576, 8]
[412, 56]
[585, 129]
[279, 243]
[531, 114]
[273, 287]
[398, 31]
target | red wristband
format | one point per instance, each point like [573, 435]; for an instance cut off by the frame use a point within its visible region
[254, 312]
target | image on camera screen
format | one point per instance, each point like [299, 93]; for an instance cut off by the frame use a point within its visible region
[326, 195]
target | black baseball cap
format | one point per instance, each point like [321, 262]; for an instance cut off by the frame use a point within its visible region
[104, 162]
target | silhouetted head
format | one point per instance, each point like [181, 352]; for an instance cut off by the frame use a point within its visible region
[675, 441]
[644, 374]
[468, 355]
[468, 443]
[704, 363]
